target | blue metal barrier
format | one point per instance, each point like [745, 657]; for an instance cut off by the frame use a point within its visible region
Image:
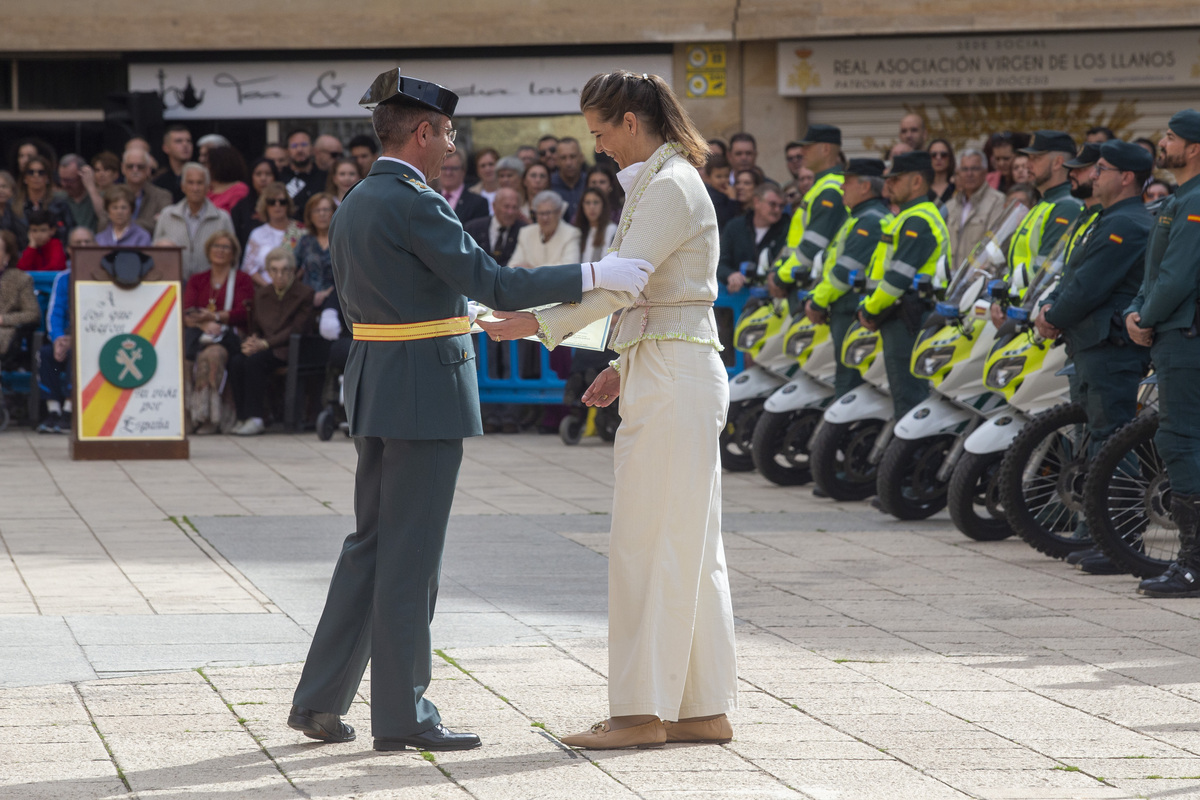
[548, 389]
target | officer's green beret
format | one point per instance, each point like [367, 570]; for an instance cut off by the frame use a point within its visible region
[1126, 156]
[1186, 124]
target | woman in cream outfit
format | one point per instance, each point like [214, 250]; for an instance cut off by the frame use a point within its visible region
[672, 666]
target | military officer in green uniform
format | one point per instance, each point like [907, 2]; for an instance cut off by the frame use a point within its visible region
[404, 268]
[1102, 276]
[849, 258]
[1049, 219]
[821, 213]
[918, 245]
[1163, 315]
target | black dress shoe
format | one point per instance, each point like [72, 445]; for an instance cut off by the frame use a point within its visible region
[1079, 555]
[321, 725]
[819, 492]
[436, 738]
[1100, 564]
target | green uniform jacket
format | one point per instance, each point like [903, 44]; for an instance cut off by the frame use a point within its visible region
[1167, 300]
[1102, 276]
[400, 255]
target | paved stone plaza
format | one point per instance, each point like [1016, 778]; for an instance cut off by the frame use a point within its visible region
[153, 617]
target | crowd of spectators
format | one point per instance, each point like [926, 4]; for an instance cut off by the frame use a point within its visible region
[254, 231]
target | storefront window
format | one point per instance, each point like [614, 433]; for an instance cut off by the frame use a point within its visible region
[58, 84]
[5, 84]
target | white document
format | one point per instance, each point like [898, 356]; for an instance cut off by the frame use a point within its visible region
[592, 337]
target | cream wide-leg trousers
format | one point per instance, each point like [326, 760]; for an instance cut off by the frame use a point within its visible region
[671, 648]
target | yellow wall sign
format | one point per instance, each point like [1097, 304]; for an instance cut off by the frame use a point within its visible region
[706, 70]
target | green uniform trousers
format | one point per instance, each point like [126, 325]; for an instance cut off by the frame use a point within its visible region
[907, 390]
[1177, 365]
[385, 586]
[842, 313]
[1107, 379]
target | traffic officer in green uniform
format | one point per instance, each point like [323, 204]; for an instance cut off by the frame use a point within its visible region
[402, 265]
[1101, 277]
[1041, 229]
[1081, 175]
[1082, 171]
[848, 259]
[821, 213]
[1164, 316]
[919, 246]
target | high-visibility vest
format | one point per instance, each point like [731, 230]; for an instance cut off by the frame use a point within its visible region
[1079, 233]
[822, 295]
[1025, 245]
[885, 294]
[787, 261]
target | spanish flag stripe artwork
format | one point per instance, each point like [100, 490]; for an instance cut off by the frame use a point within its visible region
[104, 403]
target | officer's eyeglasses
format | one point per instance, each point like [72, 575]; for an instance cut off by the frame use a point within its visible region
[1101, 168]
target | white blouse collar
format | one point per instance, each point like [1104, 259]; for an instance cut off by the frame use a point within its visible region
[628, 176]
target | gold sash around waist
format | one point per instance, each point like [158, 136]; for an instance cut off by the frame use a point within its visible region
[407, 332]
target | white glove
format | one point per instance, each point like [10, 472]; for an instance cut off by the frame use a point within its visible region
[621, 274]
[475, 310]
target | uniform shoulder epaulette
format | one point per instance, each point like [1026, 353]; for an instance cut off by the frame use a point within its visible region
[416, 183]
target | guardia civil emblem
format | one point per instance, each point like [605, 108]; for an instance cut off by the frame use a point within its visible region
[127, 361]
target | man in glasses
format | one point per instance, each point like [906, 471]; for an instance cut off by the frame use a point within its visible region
[148, 199]
[326, 150]
[402, 265]
[1103, 274]
[302, 177]
[547, 150]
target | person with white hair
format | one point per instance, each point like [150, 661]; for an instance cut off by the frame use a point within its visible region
[552, 240]
[193, 219]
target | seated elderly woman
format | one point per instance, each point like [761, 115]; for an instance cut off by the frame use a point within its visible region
[121, 230]
[216, 305]
[281, 308]
[552, 240]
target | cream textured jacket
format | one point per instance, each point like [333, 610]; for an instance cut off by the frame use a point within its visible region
[669, 221]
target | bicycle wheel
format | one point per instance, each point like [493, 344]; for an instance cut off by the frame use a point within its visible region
[1127, 501]
[1041, 480]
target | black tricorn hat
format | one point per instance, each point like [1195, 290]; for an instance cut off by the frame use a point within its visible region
[916, 161]
[392, 87]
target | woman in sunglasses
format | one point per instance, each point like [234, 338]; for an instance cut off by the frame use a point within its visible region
[35, 193]
[942, 156]
[276, 208]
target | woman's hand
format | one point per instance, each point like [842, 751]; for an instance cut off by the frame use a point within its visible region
[319, 297]
[510, 325]
[604, 389]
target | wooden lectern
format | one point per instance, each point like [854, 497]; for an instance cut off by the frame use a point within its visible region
[127, 343]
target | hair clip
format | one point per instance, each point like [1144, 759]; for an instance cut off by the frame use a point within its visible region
[645, 77]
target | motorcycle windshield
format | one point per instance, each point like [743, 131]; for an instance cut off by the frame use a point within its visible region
[986, 261]
[1045, 279]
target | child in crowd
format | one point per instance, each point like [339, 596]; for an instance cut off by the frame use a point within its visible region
[45, 251]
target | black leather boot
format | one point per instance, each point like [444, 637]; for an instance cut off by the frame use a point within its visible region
[1182, 578]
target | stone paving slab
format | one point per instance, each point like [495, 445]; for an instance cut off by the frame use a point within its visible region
[878, 659]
